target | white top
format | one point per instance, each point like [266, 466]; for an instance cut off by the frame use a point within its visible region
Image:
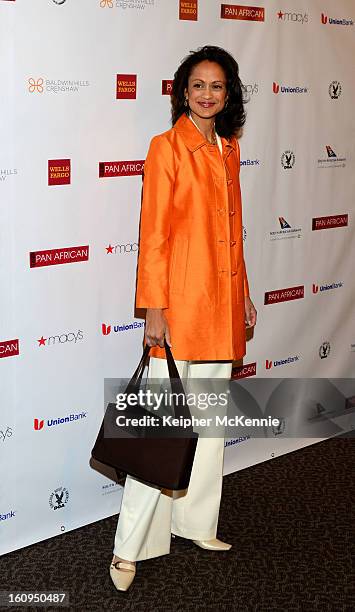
[219, 142]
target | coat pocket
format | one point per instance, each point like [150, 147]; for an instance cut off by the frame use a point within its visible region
[178, 265]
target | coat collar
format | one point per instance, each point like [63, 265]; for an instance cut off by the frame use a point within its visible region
[192, 136]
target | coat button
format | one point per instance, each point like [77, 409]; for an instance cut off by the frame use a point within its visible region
[229, 181]
[233, 242]
[231, 213]
[234, 272]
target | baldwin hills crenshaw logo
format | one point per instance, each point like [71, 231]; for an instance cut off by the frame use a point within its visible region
[59, 498]
[138, 5]
[42, 85]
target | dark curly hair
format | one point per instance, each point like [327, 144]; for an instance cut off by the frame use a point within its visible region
[231, 119]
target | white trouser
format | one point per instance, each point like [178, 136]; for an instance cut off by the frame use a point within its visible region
[150, 514]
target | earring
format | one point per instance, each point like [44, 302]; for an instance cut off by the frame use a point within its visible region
[186, 102]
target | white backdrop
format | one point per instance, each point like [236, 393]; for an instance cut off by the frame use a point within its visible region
[67, 318]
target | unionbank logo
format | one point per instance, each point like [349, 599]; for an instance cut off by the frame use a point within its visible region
[269, 363]
[332, 160]
[244, 371]
[107, 329]
[7, 515]
[55, 86]
[9, 348]
[122, 249]
[284, 295]
[334, 90]
[286, 231]
[244, 13]
[327, 287]
[61, 338]
[126, 86]
[292, 17]
[53, 257]
[250, 162]
[288, 160]
[38, 424]
[167, 87]
[59, 172]
[319, 223]
[188, 10]
[335, 21]
[121, 168]
[286, 89]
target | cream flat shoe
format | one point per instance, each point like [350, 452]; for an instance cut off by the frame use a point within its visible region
[214, 544]
[122, 579]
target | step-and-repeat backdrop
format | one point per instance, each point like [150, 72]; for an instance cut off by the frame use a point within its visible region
[84, 86]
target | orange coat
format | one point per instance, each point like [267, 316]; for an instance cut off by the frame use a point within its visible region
[191, 247]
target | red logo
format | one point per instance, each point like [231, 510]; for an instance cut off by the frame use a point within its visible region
[9, 348]
[324, 19]
[188, 10]
[275, 87]
[249, 369]
[245, 13]
[315, 288]
[319, 223]
[121, 168]
[284, 295]
[106, 329]
[38, 424]
[167, 87]
[59, 172]
[268, 364]
[126, 86]
[53, 257]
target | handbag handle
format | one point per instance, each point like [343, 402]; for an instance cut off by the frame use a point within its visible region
[175, 380]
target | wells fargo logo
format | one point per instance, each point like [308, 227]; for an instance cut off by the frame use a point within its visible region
[249, 369]
[245, 13]
[284, 295]
[9, 348]
[35, 85]
[126, 86]
[167, 87]
[188, 10]
[121, 168]
[59, 172]
[52, 257]
[319, 223]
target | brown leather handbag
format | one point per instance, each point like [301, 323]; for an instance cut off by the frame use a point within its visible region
[159, 455]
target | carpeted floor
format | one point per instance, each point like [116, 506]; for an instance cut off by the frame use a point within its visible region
[289, 521]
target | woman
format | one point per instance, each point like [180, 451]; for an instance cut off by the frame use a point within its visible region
[193, 284]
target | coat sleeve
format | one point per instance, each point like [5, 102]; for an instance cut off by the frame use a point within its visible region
[153, 259]
[245, 276]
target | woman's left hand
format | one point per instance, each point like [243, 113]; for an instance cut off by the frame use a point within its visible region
[250, 312]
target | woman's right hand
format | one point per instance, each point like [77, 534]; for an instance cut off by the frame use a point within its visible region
[156, 327]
